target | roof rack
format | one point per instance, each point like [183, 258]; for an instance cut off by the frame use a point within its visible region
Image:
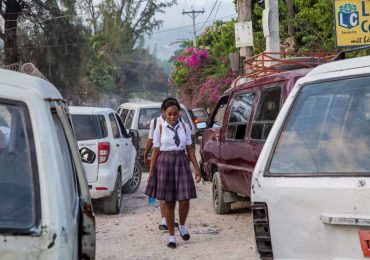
[27, 68]
[267, 63]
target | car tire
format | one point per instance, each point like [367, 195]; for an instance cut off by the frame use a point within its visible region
[133, 184]
[219, 205]
[112, 204]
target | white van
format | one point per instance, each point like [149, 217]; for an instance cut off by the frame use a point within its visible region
[45, 210]
[136, 117]
[311, 185]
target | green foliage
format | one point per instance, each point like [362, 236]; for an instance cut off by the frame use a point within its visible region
[314, 25]
[219, 38]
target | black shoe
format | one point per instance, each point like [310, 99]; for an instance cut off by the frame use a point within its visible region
[171, 245]
[163, 227]
[185, 236]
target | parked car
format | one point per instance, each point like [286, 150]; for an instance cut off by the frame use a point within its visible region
[46, 210]
[310, 186]
[108, 155]
[238, 128]
[137, 116]
[198, 126]
[201, 115]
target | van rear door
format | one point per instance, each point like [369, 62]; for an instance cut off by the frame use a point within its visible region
[314, 173]
[89, 129]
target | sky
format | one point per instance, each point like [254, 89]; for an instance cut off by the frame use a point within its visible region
[177, 26]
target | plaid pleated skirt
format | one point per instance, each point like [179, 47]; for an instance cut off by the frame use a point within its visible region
[172, 179]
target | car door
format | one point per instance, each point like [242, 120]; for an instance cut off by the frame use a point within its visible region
[128, 151]
[210, 148]
[235, 162]
[117, 147]
[71, 197]
[89, 130]
[20, 195]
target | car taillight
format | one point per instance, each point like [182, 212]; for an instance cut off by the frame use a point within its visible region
[103, 151]
[262, 230]
[196, 120]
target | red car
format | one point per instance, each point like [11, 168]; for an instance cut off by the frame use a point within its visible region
[237, 130]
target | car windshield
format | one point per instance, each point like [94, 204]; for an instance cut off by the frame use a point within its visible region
[89, 127]
[201, 114]
[328, 130]
[18, 192]
[147, 114]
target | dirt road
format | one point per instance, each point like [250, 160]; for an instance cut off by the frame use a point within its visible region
[134, 233]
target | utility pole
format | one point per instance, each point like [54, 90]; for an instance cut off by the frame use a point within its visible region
[193, 14]
[272, 16]
[244, 8]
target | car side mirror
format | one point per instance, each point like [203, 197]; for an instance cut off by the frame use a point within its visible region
[87, 156]
[202, 125]
[133, 133]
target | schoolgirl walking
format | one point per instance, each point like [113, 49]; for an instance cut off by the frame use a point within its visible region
[170, 178]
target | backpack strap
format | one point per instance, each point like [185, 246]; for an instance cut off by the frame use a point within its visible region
[155, 122]
[184, 126]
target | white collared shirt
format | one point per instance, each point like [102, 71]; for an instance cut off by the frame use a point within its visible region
[165, 141]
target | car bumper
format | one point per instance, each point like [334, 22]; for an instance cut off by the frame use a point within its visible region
[104, 186]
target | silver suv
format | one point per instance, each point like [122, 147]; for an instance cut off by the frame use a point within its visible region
[108, 155]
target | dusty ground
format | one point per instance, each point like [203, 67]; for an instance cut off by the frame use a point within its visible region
[134, 233]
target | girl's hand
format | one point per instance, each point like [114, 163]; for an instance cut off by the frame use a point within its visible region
[197, 177]
[149, 176]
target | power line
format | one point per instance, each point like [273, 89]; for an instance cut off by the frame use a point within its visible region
[177, 28]
[213, 8]
[218, 8]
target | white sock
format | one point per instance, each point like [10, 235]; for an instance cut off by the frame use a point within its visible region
[172, 239]
[164, 222]
[183, 229]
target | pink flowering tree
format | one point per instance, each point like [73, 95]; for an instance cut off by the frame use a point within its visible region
[202, 74]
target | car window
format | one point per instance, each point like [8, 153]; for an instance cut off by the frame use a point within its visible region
[185, 117]
[69, 169]
[19, 192]
[89, 127]
[219, 113]
[115, 129]
[147, 114]
[123, 114]
[129, 119]
[267, 111]
[121, 127]
[239, 116]
[328, 130]
[201, 114]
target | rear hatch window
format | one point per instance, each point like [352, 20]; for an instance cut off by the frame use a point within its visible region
[328, 130]
[201, 115]
[89, 127]
[147, 114]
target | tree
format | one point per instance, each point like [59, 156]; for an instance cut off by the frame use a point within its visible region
[10, 11]
[201, 75]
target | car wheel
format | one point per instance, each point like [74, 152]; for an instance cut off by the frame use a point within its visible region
[219, 205]
[112, 204]
[133, 184]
